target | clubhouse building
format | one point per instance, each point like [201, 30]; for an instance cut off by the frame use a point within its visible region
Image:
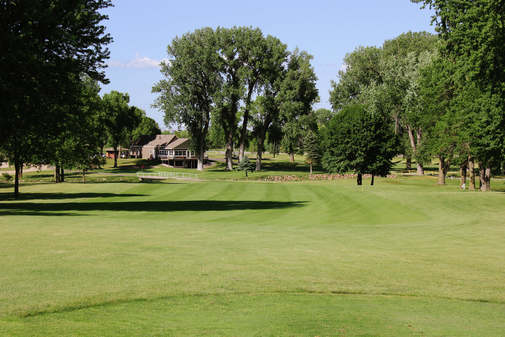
[172, 151]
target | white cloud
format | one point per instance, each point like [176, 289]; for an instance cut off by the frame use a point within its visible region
[139, 62]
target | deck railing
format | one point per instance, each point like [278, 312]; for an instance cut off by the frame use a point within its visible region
[166, 175]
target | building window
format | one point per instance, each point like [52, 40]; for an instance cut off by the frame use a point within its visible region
[180, 153]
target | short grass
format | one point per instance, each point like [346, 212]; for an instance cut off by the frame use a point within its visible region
[225, 258]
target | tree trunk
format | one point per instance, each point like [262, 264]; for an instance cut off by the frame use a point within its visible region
[199, 166]
[486, 179]
[243, 135]
[471, 169]
[62, 174]
[441, 170]
[115, 156]
[241, 152]
[259, 154]
[291, 157]
[413, 145]
[482, 177]
[420, 169]
[411, 139]
[245, 121]
[408, 162]
[17, 168]
[201, 157]
[84, 176]
[57, 177]
[462, 174]
[373, 179]
[229, 151]
[310, 168]
[359, 179]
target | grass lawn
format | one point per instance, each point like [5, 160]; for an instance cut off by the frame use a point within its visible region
[224, 258]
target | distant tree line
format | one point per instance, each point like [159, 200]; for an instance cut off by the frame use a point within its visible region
[419, 95]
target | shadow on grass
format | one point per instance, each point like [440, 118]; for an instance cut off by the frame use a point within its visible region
[143, 206]
[48, 196]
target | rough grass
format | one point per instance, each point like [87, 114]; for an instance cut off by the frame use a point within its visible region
[402, 258]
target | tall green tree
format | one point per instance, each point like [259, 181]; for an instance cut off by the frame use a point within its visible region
[120, 119]
[298, 93]
[46, 46]
[146, 127]
[312, 148]
[473, 32]
[78, 143]
[192, 84]
[232, 90]
[267, 108]
[360, 141]
[382, 78]
[361, 69]
[401, 62]
[255, 54]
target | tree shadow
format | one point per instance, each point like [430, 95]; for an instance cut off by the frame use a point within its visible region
[284, 166]
[143, 206]
[59, 196]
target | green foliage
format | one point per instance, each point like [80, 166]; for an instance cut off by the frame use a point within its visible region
[386, 81]
[119, 119]
[246, 165]
[7, 177]
[473, 33]
[46, 47]
[191, 85]
[312, 148]
[323, 117]
[146, 127]
[297, 96]
[357, 140]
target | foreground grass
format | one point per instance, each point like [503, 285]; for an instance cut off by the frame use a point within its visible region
[403, 258]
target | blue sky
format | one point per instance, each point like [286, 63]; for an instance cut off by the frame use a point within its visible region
[326, 29]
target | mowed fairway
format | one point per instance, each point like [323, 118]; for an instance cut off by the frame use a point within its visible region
[402, 258]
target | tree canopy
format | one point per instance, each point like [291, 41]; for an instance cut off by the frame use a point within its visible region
[46, 47]
[360, 141]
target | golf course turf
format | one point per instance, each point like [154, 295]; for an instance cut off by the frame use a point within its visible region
[249, 258]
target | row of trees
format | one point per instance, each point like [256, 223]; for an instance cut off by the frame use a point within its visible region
[52, 60]
[240, 84]
[444, 94]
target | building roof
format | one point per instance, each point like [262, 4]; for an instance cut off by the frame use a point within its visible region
[162, 140]
[180, 143]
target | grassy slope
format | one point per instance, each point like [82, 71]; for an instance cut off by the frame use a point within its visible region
[241, 258]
